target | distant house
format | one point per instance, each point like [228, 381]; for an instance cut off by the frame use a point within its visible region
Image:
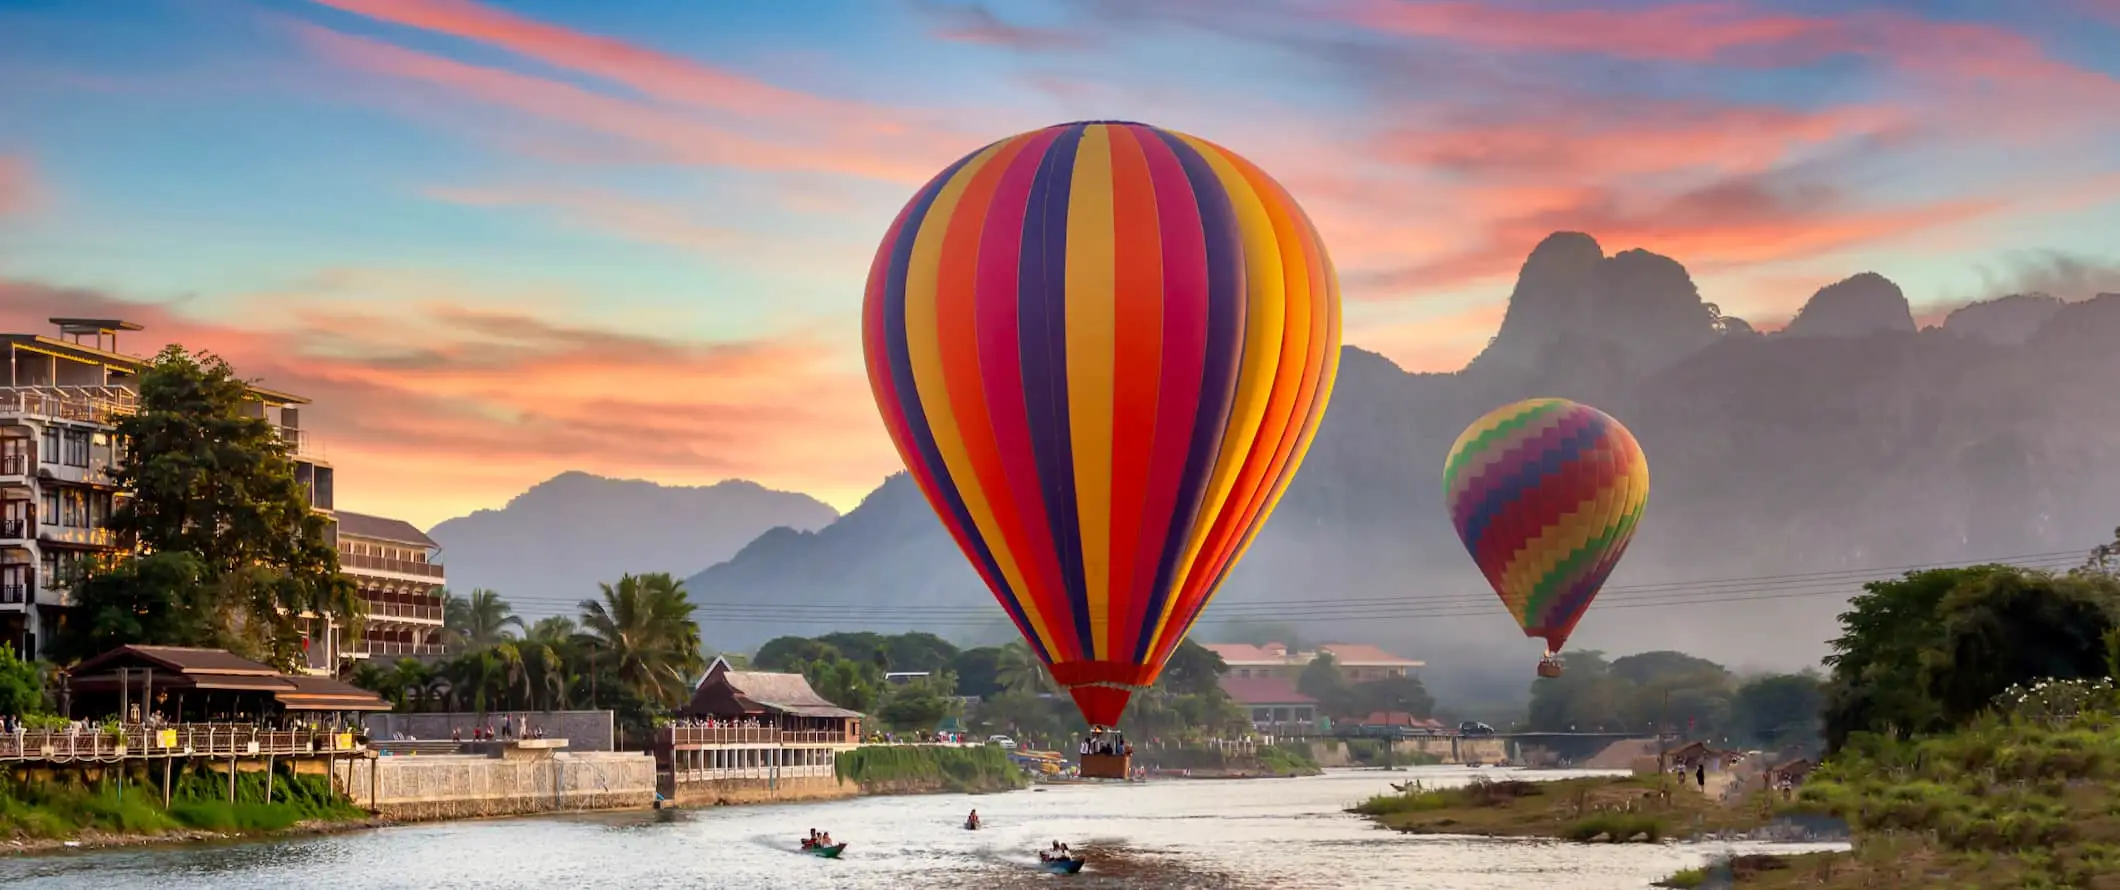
[900, 678]
[784, 701]
[1358, 662]
[1696, 754]
[1271, 701]
[1403, 722]
[1791, 773]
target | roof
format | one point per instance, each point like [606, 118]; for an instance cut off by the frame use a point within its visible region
[95, 324]
[134, 363]
[1264, 691]
[1365, 655]
[1245, 653]
[787, 693]
[178, 659]
[327, 694]
[378, 528]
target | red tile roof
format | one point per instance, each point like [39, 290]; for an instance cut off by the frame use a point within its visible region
[1245, 653]
[1400, 718]
[1264, 691]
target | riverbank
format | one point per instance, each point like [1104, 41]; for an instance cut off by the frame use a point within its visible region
[1262, 762]
[1615, 809]
[1993, 806]
[62, 812]
[929, 769]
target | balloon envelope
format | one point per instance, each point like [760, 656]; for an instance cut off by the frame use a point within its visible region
[1546, 493]
[1102, 349]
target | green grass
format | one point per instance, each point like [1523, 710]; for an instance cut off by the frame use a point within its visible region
[930, 768]
[1686, 879]
[65, 807]
[1618, 810]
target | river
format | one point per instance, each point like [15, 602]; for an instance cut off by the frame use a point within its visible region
[1235, 834]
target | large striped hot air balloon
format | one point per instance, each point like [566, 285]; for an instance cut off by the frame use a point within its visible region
[1546, 493]
[1102, 349]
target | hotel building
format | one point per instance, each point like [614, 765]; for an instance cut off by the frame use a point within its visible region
[58, 413]
[393, 563]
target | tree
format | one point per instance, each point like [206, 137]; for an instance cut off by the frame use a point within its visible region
[480, 620]
[787, 653]
[164, 599]
[978, 671]
[918, 651]
[2006, 628]
[1193, 669]
[1321, 680]
[209, 478]
[1875, 680]
[917, 706]
[644, 634]
[1406, 695]
[21, 686]
[1021, 671]
[1778, 710]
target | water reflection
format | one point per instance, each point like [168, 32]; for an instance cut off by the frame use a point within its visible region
[1286, 833]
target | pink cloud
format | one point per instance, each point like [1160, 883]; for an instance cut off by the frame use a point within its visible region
[1688, 32]
[430, 409]
[977, 23]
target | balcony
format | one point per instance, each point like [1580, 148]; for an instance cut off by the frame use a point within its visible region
[387, 611]
[14, 594]
[400, 566]
[14, 465]
[89, 404]
[392, 648]
[82, 537]
[301, 444]
[14, 530]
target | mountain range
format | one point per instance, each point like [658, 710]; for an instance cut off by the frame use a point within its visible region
[1852, 440]
[551, 545]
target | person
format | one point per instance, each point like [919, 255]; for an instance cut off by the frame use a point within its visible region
[1700, 774]
[973, 819]
[810, 841]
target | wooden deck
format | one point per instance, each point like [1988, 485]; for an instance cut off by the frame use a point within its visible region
[190, 740]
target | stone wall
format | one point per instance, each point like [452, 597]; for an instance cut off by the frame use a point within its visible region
[583, 730]
[523, 780]
[741, 791]
[1451, 750]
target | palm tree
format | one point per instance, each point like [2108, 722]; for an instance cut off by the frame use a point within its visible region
[643, 634]
[548, 650]
[1019, 670]
[477, 621]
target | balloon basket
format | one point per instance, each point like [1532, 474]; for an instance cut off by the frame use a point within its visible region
[1106, 766]
[1549, 668]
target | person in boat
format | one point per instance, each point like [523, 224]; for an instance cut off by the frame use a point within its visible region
[825, 840]
[810, 841]
[973, 819]
[1050, 855]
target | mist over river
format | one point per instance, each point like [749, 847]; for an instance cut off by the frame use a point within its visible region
[1238, 834]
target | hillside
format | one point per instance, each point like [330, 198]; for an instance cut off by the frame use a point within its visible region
[552, 544]
[1851, 441]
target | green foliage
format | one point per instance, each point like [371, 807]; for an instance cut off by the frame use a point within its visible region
[643, 633]
[930, 768]
[66, 806]
[1321, 679]
[1778, 709]
[978, 671]
[21, 685]
[165, 598]
[1933, 649]
[918, 705]
[477, 621]
[786, 653]
[211, 480]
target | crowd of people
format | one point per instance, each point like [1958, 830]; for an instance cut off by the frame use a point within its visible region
[1107, 744]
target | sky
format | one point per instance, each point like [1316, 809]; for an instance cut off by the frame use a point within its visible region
[495, 241]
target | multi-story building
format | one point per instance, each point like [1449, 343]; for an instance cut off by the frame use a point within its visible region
[1358, 662]
[58, 412]
[393, 563]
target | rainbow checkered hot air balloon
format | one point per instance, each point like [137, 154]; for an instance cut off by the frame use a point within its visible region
[1546, 493]
[1102, 349]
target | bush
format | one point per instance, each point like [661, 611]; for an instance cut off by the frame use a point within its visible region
[1619, 828]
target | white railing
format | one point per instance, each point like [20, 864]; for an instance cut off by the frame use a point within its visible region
[91, 404]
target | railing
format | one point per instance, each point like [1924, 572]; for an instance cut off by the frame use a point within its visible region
[87, 537]
[301, 444]
[14, 529]
[204, 740]
[380, 564]
[384, 609]
[392, 647]
[687, 736]
[90, 404]
[14, 594]
[14, 465]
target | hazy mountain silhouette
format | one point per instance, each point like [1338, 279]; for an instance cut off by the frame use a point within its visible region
[551, 545]
[1849, 442]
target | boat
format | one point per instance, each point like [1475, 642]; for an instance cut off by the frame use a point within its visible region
[970, 825]
[831, 852]
[1062, 866]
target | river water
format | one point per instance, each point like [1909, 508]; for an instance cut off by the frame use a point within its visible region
[1235, 834]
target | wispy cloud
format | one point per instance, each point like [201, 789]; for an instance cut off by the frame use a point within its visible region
[427, 406]
[973, 21]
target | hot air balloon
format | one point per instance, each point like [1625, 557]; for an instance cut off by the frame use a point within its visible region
[1546, 493]
[1102, 349]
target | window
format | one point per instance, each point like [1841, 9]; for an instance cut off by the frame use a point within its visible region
[48, 510]
[50, 568]
[51, 445]
[76, 448]
[101, 450]
[73, 508]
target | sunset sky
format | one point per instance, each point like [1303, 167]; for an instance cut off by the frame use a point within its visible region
[495, 241]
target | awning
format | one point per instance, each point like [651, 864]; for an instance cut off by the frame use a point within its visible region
[299, 702]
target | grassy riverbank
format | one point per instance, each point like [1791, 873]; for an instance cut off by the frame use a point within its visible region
[43, 813]
[921, 769]
[1617, 810]
[1264, 761]
[1996, 805]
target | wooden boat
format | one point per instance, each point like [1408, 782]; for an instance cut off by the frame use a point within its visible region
[831, 852]
[1062, 866]
[1401, 787]
[970, 825]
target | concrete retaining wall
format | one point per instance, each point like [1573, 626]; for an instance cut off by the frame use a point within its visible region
[583, 730]
[741, 791]
[520, 782]
[1450, 749]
